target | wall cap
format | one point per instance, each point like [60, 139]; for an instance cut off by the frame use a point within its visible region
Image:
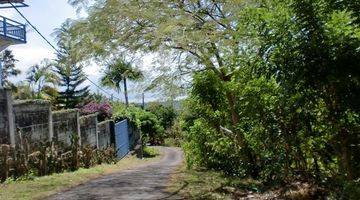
[32, 101]
[65, 111]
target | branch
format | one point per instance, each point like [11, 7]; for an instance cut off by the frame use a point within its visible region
[217, 54]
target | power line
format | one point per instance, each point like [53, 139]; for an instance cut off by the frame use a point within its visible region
[49, 43]
[32, 26]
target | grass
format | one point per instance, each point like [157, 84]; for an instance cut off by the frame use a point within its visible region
[199, 184]
[171, 142]
[149, 152]
[42, 187]
[211, 185]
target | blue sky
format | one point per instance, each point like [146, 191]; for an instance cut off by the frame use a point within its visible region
[46, 16]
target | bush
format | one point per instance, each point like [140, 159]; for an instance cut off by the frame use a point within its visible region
[165, 114]
[103, 109]
[145, 121]
[150, 152]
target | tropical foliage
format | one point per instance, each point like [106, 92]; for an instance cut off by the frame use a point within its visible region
[275, 84]
[120, 71]
[41, 79]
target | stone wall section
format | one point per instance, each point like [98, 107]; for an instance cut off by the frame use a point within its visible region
[65, 125]
[33, 120]
[105, 129]
[6, 118]
[89, 130]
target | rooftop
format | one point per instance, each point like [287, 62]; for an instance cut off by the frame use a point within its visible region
[7, 3]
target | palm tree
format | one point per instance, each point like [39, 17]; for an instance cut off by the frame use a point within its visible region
[119, 71]
[41, 77]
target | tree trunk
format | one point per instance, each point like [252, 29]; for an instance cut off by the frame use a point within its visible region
[343, 135]
[235, 119]
[126, 93]
[346, 153]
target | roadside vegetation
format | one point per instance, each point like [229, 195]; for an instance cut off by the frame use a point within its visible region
[215, 185]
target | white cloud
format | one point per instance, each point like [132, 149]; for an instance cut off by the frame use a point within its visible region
[30, 55]
[92, 69]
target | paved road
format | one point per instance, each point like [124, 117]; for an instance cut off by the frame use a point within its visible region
[144, 182]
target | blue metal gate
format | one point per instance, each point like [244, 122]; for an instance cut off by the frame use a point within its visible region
[122, 138]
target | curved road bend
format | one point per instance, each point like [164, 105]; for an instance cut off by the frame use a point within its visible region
[144, 182]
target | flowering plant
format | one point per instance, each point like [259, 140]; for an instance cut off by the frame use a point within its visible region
[103, 109]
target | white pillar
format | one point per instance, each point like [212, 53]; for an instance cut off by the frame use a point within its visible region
[11, 118]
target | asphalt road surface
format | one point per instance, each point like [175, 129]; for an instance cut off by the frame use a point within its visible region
[144, 182]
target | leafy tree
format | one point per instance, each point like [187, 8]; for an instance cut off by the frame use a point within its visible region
[120, 71]
[165, 114]
[165, 80]
[321, 66]
[8, 61]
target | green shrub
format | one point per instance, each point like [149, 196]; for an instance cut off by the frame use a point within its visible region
[145, 121]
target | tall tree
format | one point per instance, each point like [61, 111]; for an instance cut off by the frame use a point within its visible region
[71, 93]
[69, 71]
[119, 71]
[8, 67]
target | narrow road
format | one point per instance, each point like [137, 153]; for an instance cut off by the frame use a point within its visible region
[144, 182]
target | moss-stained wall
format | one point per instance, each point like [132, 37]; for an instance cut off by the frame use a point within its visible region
[105, 129]
[6, 117]
[33, 120]
[65, 124]
[88, 130]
